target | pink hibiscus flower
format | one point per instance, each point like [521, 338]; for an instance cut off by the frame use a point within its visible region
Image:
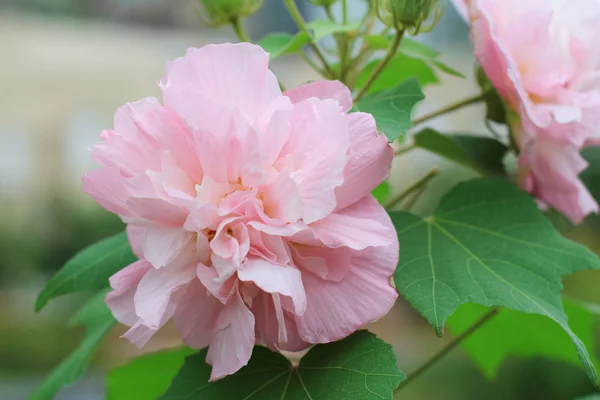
[250, 210]
[541, 55]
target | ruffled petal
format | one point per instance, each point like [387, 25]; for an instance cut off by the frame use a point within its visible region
[232, 342]
[323, 90]
[369, 160]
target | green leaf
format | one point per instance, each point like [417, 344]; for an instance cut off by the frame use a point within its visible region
[378, 42]
[488, 244]
[525, 335]
[447, 69]
[393, 108]
[358, 367]
[278, 44]
[412, 49]
[98, 320]
[89, 269]
[399, 69]
[324, 27]
[418, 50]
[146, 377]
[494, 105]
[408, 46]
[382, 192]
[482, 154]
[590, 397]
[591, 175]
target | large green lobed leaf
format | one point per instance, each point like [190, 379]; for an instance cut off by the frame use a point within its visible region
[482, 154]
[515, 333]
[413, 49]
[278, 44]
[399, 69]
[98, 320]
[89, 269]
[488, 244]
[360, 367]
[393, 108]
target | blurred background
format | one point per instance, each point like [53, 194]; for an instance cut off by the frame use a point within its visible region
[65, 66]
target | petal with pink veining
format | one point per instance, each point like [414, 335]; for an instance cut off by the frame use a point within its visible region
[230, 75]
[196, 315]
[272, 278]
[369, 160]
[317, 147]
[356, 227]
[232, 342]
[322, 90]
[124, 284]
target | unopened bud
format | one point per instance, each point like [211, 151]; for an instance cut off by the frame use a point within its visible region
[219, 12]
[408, 14]
[323, 3]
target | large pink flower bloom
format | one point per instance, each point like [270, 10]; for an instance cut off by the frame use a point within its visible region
[250, 210]
[542, 57]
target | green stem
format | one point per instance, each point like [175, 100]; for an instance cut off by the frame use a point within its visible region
[415, 186]
[344, 46]
[382, 64]
[405, 149]
[448, 347]
[344, 12]
[448, 109]
[410, 203]
[329, 14]
[239, 30]
[301, 23]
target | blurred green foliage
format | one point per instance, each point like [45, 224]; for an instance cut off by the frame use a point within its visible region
[49, 236]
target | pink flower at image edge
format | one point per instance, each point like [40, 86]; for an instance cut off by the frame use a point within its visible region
[542, 57]
[250, 210]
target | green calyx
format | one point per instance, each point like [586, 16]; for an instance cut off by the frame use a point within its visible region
[410, 15]
[220, 12]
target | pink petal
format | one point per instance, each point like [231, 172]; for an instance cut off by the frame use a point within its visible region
[163, 244]
[135, 235]
[336, 309]
[275, 124]
[124, 284]
[268, 329]
[129, 148]
[196, 316]
[229, 75]
[154, 300]
[107, 187]
[356, 227]
[270, 248]
[272, 278]
[317, 144]
[203, 216]
[232, 342]
[221, 288]
[282, 199]
[151, 202]
[323, 90]
[369, 160]
[139, 334]
[554, 169]
[326, 263]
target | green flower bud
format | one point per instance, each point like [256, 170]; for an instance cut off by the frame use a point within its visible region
[220, 12]
[323, 3]
[408, 14]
